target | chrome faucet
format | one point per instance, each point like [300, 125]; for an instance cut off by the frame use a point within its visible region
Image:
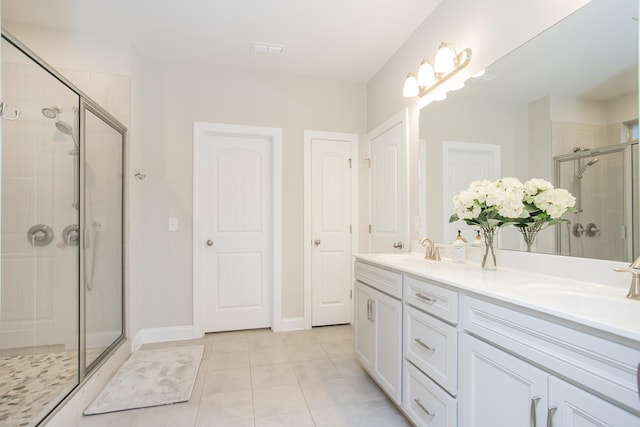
[433, 251]
[634, 269]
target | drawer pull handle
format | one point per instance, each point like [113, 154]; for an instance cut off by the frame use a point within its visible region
[421, 406]
[420, 343]
[550, 413]
[534, 421]
[423, 297]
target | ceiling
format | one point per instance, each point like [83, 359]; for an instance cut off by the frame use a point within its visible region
[348, 40]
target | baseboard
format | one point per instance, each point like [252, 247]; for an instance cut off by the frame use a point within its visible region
[292, 324]
[153, 335]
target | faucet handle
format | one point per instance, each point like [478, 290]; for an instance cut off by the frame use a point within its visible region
[635, 264]
[634, 289]
[436, 253]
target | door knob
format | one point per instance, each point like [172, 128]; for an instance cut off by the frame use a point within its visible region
[398, 245]
[316, 242]
[209, 242]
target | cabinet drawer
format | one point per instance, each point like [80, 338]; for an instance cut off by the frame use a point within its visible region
[425, 403]
[432, 346]
[603, 365]
[434, 299]
[389, 282]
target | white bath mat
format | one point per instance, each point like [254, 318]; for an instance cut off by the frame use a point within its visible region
[150, 378]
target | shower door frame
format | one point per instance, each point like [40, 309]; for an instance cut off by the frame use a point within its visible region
[626, 149]
[87, 104]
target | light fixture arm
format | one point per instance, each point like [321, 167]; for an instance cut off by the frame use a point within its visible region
[462, 60]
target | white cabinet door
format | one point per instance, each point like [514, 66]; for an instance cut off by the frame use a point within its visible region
[378, 338]
[570, 406]
[363, 328]
[387, 320]
[500, 390]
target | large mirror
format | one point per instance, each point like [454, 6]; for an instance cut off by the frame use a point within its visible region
[562, 107]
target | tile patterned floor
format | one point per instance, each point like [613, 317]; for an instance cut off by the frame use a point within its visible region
[30, 383]
[264, 379]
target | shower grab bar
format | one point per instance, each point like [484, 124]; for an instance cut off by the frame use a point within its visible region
[16, 114]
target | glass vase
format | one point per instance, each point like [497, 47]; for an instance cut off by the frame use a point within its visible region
[529, 233]
[489, 258]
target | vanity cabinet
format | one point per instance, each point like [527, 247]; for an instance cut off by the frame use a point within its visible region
[502, 385]
[378, 329]
[452, 356]
[431, 353]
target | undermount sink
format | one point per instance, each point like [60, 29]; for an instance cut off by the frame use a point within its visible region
[583, 297]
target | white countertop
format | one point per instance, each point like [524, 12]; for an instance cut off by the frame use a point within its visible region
[603, 307]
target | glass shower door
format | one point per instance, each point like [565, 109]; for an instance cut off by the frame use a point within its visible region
[39, 292]
[102, 211]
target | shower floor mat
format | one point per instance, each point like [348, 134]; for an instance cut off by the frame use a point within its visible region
[150, 378]
[30, 384]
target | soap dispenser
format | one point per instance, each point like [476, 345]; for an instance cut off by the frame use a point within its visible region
[478, 240]
[458, 250]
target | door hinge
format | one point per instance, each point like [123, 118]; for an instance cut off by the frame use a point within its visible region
[349, 163]
[368, 161]
[369, 228]
[350, 228]
[351, 294]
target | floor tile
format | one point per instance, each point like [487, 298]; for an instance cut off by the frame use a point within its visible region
[225, 408]
[300, 353]
[226, 381]
[295, 419]
[378, 413]
[299, 338]
[225, 361]
[284, 399]
[268, 356]
[315, 370]
[168, 416]
[273, 375]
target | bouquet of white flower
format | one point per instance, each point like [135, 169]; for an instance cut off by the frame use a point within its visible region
[544, 206]
[530, 207]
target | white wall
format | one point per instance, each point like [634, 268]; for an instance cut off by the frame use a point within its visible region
[491, 28]
[168, 98]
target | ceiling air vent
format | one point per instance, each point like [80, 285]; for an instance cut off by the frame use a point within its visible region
[268, 48]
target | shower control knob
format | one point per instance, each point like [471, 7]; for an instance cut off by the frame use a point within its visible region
[209, 242]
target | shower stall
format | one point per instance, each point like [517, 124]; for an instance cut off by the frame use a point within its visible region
[603, 181]
[61, 236]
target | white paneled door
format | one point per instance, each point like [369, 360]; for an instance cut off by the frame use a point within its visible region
[331, 225]
[388, 180]
[235, 230]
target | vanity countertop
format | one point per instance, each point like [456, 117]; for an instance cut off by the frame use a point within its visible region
[603, 307]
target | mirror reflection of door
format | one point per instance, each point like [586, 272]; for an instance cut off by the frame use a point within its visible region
[388, 211]
[464, 163]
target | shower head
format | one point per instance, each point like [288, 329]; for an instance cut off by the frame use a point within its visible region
[66, 128]
[52, 112]
[584, 168]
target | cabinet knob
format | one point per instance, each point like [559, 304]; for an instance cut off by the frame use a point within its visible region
[398, 245]
[317, 242]
[209, 242]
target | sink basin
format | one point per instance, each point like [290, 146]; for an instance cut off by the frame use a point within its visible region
[584, 298]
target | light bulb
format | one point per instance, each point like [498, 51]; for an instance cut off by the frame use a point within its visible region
[426, 75]
[445, 58]
[410, 88]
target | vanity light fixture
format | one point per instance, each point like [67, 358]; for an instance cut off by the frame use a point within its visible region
[431, 77]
